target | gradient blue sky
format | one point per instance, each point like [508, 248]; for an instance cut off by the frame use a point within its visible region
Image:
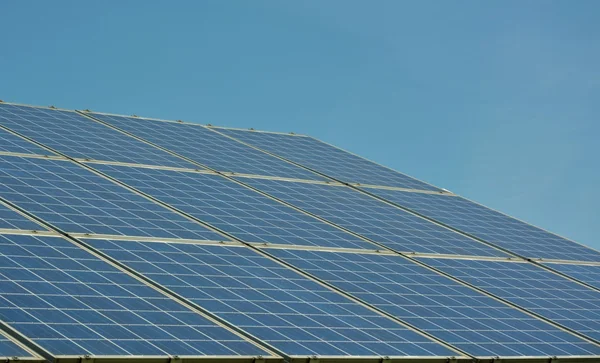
[497, 101]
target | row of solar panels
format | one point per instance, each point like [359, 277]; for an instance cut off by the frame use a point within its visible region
[190, 146]
[329, 231]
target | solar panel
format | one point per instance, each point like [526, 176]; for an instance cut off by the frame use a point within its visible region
[545, 293]
[326, 159]
[72, 303]
[233, 208]
[8, 348]
[15, 144]
[9, 219]
[207, 147]
[78, 201]
[452, 312]
[79, 137]
[371, 218]
[589, 274]
[270, 301]
[491, 226]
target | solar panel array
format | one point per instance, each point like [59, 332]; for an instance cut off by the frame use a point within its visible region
[133, 238]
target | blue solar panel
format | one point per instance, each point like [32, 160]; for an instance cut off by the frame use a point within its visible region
[587, 273]
[207, 147]
[270, 301]
[15, 144]
[80, 137]
[233, 208]
[70, 302]
[371, 218]
[326, 159]
[545, 293]
[8, 348]
[452, 312]
[491, 226]
[78, 201]
[12, 220]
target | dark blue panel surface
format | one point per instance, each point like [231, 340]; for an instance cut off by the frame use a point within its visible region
[491, 226]
[270, 301]
[549, 295]
[16, 144]
[450, 311]
[207, 147]
[327, 159]
[70, 302]
[80, 137]
[13, 220]
[371, 218]
[587, 273]
[233, 208]
[10, 349]
[78, 201]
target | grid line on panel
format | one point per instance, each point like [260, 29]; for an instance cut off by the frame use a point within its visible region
[326, 159]
[12, 348]
[540, 291]
[233, 208]
[76, 200]
[70, 302]
[77, 136]
[588, 274]
[448, 310]
[373, 219]
[270, 301]
[11, 219]
[489, 226]
[204, 146]
[12, 143]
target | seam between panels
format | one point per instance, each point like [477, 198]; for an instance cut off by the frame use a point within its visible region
[171, 152]
[490, 244]
[157, 287]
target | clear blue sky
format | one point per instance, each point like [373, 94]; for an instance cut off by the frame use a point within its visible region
[498, 101]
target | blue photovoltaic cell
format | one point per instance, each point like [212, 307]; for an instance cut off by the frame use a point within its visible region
[15, 144]
[76, 200]
[70, 302]
[543, 292]
[10, 349]
[233, 208]
[292, 313]
[13, 220]
[491, 226]
[586, 273]
[452, 312]
[326, 159]
[207, 147]
[371, 218]
[79, 137]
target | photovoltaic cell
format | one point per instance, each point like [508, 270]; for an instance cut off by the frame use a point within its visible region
[233, 208]
[491, 226]
[76, 200]
[545, 293]
[371, 218]
[79, 137]
[8, 348]
[16, 144]
[326, 159]
[452, 312]
[587, 273]
[274, 303]
[12, 220]
[72, 303]
[207, 147]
